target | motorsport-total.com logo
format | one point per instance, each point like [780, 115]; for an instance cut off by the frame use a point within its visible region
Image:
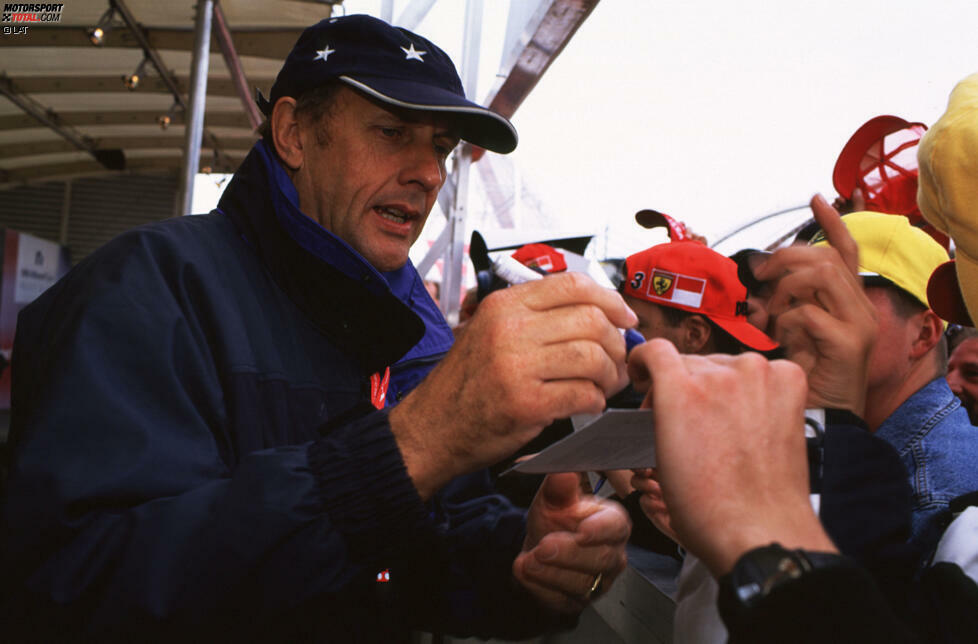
[22, 14]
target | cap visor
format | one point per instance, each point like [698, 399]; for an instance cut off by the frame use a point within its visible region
[944, 295]
[650, 219]
[746, 333]
[476, 124]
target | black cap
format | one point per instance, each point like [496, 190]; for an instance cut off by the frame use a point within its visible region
[391, 65]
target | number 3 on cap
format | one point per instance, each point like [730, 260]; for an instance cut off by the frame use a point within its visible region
[636, 282]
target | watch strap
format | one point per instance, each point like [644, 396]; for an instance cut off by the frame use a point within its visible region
[760, 571]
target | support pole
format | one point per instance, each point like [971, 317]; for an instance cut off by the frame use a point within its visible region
[414, 13]
[148, 50]
[455, 252]
[233, 62]
[451, 286]
[198, 99]
[437, 250]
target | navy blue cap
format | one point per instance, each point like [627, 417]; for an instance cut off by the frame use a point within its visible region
[391, 65]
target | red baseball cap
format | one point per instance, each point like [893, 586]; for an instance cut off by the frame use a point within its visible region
[690, 276]
[944, 295]
[654, 219]
[880, 158]
[542, 256]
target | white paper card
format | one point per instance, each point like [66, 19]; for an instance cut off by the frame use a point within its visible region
[620, 439]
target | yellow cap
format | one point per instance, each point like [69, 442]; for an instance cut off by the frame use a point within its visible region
[947, 191]
[890, 247]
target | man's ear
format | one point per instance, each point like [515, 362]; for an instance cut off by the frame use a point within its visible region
[696, 334]
[285, 133]
[928, 334]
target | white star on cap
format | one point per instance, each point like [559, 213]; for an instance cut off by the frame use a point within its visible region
[323, 54]
[413, 54]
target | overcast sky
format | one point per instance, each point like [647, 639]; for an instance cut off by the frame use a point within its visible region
[715, 112]
[718, 112]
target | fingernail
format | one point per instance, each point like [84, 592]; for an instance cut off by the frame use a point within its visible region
[546, 552]
[630, 313]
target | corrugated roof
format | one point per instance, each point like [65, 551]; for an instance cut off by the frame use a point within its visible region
[55, 66]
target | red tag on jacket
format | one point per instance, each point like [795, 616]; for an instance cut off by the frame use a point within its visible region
[378, 388]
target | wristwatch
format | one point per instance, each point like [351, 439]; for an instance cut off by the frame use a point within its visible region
[759, 571]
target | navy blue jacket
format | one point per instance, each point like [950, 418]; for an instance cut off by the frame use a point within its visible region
[194, 453]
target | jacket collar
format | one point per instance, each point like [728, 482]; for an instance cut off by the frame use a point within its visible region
[919, 413]
[409, 287]
[344, 296]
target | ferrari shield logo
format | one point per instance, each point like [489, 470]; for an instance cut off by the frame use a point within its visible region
[661, 283]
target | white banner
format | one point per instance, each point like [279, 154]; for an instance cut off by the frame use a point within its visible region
[37, 267]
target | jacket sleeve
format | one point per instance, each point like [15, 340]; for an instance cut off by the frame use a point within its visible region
[120, 510]
[463, 585]
[837, 604]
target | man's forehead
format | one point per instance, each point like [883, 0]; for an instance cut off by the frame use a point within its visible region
[442, 121]
[968, 349]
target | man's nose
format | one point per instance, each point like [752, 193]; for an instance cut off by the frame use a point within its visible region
[424, 167]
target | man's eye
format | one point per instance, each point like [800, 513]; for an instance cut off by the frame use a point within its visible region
[390, 132]
[445, 147]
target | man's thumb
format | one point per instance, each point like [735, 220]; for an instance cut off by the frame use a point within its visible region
[560, 490]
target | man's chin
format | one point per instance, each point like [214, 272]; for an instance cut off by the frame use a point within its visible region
[389, 261]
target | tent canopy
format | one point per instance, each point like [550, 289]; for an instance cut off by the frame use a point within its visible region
[53, 69]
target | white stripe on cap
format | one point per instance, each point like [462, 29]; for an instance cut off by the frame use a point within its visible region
[692, 299]
[458, 109]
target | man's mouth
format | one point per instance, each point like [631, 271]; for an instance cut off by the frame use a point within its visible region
[393, 214]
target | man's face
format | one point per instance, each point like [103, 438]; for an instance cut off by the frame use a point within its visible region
[758, 295]
[962, 376]
[652, 322]
[890, 356]
[375, 178]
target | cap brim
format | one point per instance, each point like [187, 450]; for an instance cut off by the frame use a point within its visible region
[650, 219]
[846, 172]
[476, 124]
[746, 333]
[944, 295]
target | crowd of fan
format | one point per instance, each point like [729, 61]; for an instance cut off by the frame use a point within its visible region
[255, 424]
[908, 380]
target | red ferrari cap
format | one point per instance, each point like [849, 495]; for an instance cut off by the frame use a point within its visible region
[542, 256]
[690, 276]
[654, 219]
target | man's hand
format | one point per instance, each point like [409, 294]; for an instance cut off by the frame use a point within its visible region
[531, 353]
[571, 538]
[856, 203]
[823, 319]
[730, 448]
[652, 502]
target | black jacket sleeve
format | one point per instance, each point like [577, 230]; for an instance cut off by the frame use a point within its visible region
[840, 604]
